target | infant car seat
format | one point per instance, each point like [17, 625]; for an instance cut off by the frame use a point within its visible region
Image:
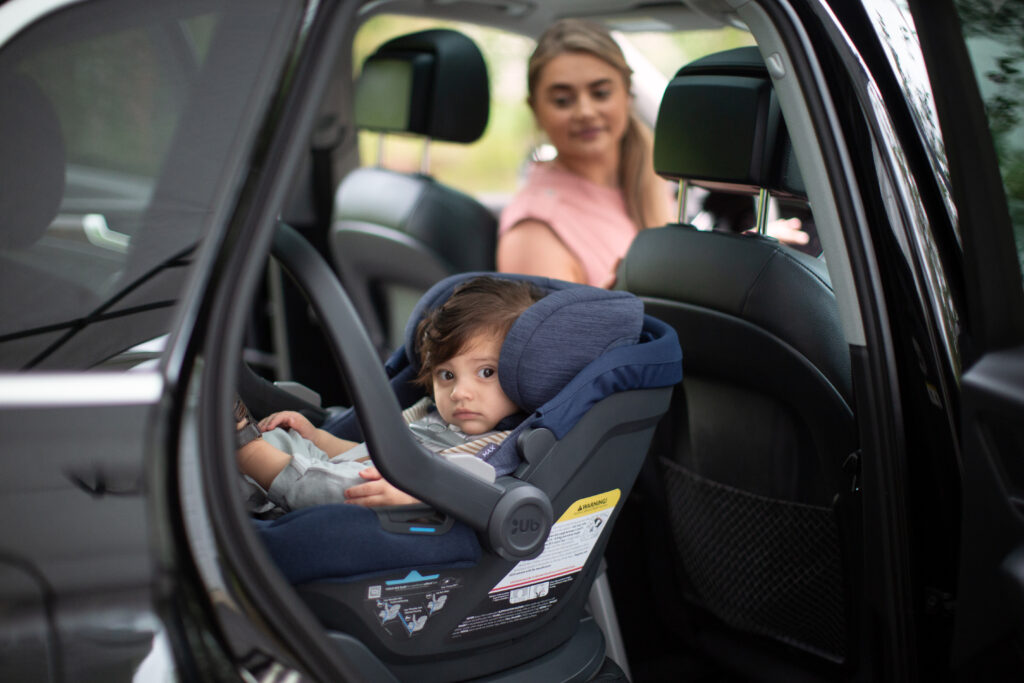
[461, 590]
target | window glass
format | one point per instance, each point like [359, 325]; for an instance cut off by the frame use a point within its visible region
[995, 41]
[119, 123]
[669, 51]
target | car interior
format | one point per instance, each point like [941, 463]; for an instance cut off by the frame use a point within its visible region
[717, 553]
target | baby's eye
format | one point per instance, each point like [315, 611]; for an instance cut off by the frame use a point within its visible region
[486, 372]
[445, 375]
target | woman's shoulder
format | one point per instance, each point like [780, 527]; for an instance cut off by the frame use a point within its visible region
[537, 199]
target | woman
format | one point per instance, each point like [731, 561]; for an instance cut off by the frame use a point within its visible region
[577, 215]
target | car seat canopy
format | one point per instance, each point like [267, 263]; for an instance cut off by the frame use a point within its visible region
[560, 335]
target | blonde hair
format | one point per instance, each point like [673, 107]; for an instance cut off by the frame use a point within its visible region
[642, 189]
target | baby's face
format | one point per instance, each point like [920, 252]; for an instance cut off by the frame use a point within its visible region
[466, 388]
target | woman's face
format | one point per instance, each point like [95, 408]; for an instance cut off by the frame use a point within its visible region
[582, 103]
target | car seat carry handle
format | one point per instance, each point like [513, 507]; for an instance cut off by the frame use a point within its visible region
[513, 516]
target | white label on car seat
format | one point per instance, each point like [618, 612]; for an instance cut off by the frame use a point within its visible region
[535, 587]
[568, 546]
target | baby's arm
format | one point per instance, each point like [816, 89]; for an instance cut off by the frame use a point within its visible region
[376, 491]
[325, 441]
[261, 461]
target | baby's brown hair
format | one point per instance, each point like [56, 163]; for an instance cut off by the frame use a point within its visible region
[483, 305]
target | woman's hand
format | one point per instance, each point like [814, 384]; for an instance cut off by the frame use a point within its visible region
[291, 420]
[787, 231]
[376, 492]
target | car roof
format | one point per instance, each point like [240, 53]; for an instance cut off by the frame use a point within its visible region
[531, 18]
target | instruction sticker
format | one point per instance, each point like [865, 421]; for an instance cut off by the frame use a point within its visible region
[534, 587]
[402, 607]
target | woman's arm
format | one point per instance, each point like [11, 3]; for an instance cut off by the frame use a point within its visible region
[532, 248]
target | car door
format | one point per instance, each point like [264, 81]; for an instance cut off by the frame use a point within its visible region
[124, 126]
[974, 54]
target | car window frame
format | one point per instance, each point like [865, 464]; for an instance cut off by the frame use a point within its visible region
[995, 297]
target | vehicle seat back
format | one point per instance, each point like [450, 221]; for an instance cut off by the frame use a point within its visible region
[749, 460]
[33, 166]
[396, 234]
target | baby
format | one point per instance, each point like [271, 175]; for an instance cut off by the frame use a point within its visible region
[459, 344]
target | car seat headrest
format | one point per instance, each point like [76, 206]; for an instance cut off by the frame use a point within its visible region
[720, 127]
[431, 83]
[32, 162]
[553, 340]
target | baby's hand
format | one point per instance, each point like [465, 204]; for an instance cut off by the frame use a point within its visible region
[376, 491]
[289, 419]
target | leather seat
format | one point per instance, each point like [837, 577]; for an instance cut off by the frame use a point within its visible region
[749, 462]
[396, 234]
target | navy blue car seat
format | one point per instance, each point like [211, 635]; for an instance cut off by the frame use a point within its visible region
[426, 597]
[750, 460]
[396, 234]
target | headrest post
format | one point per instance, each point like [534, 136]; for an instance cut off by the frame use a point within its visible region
[762, 211]
[380, 150]
[684, 188]
[425, 158]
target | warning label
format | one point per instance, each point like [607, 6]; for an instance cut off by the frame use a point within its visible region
[572, 538]
[534, 587]
[504, 611]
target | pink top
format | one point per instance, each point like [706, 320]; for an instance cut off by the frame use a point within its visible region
[590, 219]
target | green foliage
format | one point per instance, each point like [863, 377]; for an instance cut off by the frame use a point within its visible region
[994, 32]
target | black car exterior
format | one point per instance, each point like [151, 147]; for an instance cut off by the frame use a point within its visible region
[123, 537]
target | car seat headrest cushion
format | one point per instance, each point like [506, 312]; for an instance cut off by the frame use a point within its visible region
[32, 162]
[431, 83]
[742, 145]
[553, 340]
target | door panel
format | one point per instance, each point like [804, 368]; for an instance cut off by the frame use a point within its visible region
[974, 58]
[991, 599]
[75, 544]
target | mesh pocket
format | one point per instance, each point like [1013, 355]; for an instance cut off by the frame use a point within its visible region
[760, 565]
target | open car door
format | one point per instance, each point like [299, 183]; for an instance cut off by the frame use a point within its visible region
[973, 53]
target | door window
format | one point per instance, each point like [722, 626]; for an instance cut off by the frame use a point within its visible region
[995, 43]
[119, 124]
